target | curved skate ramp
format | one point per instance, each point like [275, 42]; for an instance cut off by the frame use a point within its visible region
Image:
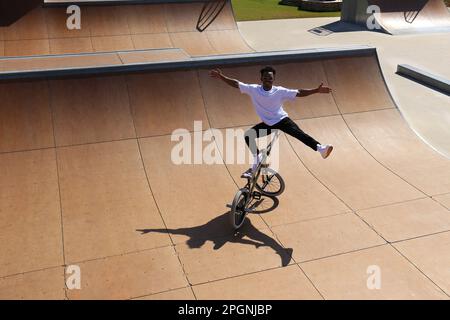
[88, 179]
[401, 16]
[107, 27]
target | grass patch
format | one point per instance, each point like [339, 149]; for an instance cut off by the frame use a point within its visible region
[248, 10]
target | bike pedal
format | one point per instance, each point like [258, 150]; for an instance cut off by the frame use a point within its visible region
[265, 165]
[244, 176]
[256, 195]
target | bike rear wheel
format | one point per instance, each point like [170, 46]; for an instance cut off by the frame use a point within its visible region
[270, 183]
[238, 208]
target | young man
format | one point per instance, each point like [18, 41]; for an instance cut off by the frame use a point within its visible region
[268, 102]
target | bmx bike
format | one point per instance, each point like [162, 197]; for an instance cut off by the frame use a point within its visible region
[264, 181]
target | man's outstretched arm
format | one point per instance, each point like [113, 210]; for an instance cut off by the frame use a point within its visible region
[308, 92]
[217, 73]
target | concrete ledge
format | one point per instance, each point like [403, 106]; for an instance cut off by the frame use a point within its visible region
[436, 82]
[158, 60]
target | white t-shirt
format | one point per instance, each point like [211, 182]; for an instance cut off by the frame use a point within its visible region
[268, 104]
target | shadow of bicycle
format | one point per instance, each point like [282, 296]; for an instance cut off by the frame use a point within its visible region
[213, 231]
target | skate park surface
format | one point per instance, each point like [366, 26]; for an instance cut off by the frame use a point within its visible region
[399, 17]
[87, 180]
[106, 28]
[406, 16]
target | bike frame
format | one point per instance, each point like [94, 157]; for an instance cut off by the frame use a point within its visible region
[251, 182]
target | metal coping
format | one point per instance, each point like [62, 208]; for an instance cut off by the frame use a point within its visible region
[271, 57]
[433, 81]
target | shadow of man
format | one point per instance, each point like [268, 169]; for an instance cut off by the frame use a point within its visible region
[215, 231]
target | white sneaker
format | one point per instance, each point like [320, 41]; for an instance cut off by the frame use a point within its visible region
[256, 162]
[247, 174]
[325, 150]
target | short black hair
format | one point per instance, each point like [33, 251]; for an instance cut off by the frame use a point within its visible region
[268, 69]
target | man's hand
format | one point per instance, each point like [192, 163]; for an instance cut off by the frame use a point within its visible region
[216, 73]
[308, 92]
[322, 89]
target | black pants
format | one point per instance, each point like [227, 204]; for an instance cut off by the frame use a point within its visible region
[286, 125]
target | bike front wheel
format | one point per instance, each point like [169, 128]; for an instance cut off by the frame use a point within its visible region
[238, 207]
[270, 183]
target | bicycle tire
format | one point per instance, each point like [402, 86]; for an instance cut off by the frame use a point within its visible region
[262, 185]
[238, 207]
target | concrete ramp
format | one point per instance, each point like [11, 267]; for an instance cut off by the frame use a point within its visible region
[400, 16]
[87, 179]
[107, 26]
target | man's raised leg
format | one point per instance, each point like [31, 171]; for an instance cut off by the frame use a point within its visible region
[291, 128]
